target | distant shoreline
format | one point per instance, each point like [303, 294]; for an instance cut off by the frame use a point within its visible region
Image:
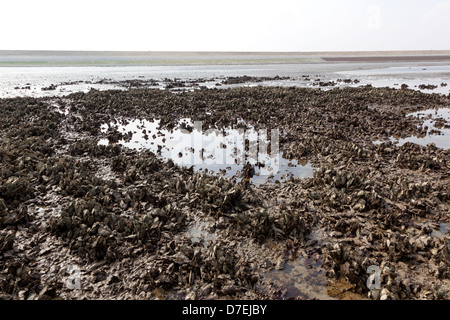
[18, 58]
[215, 53]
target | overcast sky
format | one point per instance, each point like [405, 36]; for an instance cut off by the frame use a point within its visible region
[231, 25]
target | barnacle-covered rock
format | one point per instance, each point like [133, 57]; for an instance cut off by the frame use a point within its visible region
[7, 238]
[16, 189]
[125, 216]
[338, 188]
[3, 208]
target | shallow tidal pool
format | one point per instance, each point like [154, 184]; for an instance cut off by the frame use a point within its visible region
[225, 151]
[437, 125]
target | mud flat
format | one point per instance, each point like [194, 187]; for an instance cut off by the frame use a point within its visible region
[18, 58]
[390, 58]
[83, 215]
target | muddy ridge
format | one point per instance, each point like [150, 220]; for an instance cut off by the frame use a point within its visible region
[83, 220]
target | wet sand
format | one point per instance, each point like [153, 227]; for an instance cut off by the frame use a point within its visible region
[116, 58]
[388, 58]
[430, 77]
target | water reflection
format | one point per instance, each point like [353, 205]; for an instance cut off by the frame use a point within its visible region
[437, 125]
[444, 229]
[302, 278]
[435, 229]
[199, 231]
[224, 151]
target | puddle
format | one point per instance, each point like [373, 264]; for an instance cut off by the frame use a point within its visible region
[222, 152]
[428, 85]
[438, 132]
[302, 278]
[444, 229]
[199, 231]
[439, 230]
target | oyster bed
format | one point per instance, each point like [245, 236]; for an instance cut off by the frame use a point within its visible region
[134, 226]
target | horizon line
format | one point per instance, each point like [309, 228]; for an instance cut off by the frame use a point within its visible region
[421, 52]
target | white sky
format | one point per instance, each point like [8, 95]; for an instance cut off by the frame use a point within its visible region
[227, 25]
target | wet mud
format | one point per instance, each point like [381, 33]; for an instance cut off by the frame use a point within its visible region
[85, 219]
